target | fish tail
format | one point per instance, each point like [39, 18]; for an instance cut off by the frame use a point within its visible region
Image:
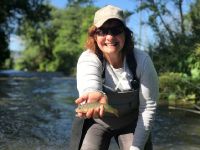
[115, 112]
[111, 110]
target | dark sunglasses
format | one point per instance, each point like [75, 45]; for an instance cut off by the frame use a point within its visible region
[111, 31]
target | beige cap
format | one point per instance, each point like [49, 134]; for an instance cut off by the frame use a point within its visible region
[106, 13]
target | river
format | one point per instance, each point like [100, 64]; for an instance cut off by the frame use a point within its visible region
[37, 109]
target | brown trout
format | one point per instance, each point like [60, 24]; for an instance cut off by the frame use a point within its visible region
[87, 106]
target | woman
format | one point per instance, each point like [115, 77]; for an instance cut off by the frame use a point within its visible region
[112, 71]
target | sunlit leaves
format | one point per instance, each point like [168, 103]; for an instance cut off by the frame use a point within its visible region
[13, 14]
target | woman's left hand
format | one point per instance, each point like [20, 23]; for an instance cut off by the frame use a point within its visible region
[89, 98]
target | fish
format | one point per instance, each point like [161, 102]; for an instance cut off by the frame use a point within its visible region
[107, 108]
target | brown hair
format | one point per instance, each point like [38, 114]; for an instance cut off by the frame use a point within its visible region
[92, 45]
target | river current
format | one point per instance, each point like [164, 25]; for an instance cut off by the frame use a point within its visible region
[37, 109]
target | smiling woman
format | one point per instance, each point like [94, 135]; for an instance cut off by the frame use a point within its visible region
[110, 38]
[111, 71]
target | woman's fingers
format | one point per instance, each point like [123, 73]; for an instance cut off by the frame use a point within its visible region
[80, 115]
[101, 111]
[92, 113]
[96, 113]
[89, 113]
[89, 98]
[81, 99]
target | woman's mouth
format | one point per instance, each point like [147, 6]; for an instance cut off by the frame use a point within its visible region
[111, 44]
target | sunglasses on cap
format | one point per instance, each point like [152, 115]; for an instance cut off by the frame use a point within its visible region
[111, 31]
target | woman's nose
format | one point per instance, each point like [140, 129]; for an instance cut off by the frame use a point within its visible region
[109, 36]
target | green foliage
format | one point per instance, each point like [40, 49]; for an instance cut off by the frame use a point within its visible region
[71, 36]
[13, 14]
[172, 85]
[31, 54]
[195, 15]
[194, 62]
[38, 41]
[79, 2]
[173, 57]
[179, 87]
[177, 48]
[56, 44]
[177, 35]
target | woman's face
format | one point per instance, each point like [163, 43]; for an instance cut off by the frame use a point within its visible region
[110, 37]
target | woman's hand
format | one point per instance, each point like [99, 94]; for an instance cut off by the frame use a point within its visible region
[89, 98]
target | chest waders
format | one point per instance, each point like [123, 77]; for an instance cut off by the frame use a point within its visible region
[126, 102]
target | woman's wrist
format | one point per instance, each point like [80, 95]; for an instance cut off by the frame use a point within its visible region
[104, 94]
[94, 95]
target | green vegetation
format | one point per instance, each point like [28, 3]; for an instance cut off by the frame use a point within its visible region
[57, 43]
[179, 88]
[176, 54]
[54, 38]
[12, 15]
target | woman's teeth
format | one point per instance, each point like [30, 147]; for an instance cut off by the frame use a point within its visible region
[111, 44]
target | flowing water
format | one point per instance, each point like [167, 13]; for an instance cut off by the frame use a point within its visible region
[37, 109]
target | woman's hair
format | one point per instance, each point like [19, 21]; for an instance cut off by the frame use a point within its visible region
[92, 45]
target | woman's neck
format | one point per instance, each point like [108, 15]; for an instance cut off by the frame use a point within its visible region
[115, 60]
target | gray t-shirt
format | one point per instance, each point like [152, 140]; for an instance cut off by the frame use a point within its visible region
[89, 78]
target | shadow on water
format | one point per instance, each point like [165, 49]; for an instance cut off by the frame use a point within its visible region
[36, 113]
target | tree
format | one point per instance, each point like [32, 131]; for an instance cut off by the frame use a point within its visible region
[195, 21]
[194, 58]
[176, 54]
[79, 2]
[57, 43]
[38, 45]
[173, 40]
[12, 14]
[71, 37]
[4, 51]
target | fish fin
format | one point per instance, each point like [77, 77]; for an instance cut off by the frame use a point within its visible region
[116, 113]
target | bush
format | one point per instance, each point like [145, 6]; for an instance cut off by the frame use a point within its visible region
[179, 87]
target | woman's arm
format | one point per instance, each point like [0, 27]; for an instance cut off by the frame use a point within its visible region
[89, 71]
[149, 92]
[89, 82]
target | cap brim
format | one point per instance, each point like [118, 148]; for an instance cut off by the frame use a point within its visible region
[103, 20]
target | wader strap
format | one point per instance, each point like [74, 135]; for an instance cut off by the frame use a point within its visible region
[132, 64]
[101, 58]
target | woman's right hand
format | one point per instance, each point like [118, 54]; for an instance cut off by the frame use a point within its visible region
[89, 98]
